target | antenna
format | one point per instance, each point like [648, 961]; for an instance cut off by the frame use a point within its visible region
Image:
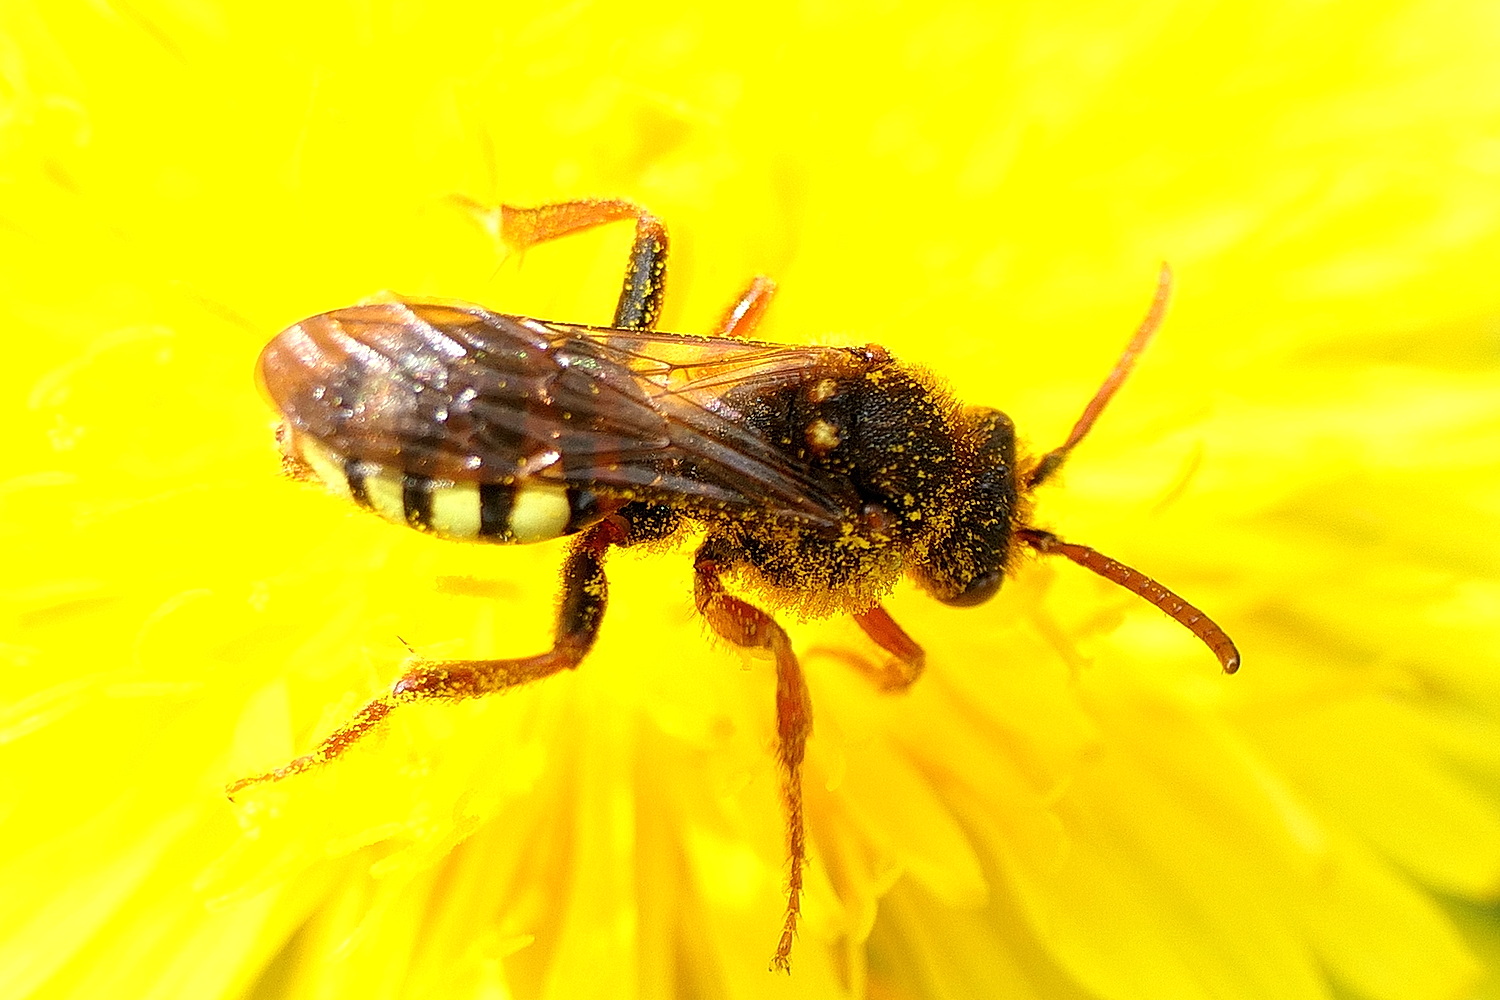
[1054, 459]
[1180, 611]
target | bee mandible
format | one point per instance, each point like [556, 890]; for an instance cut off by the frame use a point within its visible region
[815, 476]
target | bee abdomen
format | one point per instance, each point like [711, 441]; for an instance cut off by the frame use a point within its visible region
[525, 509]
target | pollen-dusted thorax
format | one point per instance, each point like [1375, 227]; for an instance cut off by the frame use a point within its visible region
[931, 486]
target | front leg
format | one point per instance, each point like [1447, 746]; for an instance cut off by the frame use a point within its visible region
[584, 592]
[907, 658]
[749, 627]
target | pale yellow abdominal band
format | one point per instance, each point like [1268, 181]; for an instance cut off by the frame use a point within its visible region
[524, 510]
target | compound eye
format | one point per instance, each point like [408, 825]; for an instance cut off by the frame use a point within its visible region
[979, 590]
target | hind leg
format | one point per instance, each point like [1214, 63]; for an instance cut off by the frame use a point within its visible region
[584, 592]
[522, 228]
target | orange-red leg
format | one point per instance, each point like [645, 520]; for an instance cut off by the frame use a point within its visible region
[749, 627]
[584, 595]
[741, 319]
[645, 273]
[907, 658]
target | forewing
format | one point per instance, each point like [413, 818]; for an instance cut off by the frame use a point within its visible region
[460, 393]
[713, 456]
[396, 383]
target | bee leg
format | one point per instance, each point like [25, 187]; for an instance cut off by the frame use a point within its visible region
[741, 319]
[907, 658]
[584, 592]
[751, 628]
[520, 229]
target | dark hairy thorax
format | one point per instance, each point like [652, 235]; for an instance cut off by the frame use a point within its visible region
[886, 439]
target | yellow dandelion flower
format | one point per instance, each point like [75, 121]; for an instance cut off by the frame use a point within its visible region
[1071, 803]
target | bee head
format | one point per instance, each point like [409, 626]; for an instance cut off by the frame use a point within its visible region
[966, 563]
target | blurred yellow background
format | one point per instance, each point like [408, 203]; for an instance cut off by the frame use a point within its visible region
[1071, 804]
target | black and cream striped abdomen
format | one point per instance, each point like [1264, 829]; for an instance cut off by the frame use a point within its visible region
[524, 509]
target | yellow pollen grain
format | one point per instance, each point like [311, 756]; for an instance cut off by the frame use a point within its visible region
[823, 391]
[822, 436]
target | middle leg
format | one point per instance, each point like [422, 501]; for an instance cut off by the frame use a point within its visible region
[749, 627]
[741, 319]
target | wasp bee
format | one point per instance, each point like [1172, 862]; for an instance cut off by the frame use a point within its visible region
[816, 476]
